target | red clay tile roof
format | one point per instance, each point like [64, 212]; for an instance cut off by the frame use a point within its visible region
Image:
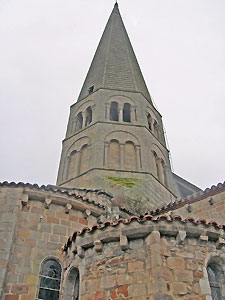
[215, 189]
[49, 188]
[140, 220]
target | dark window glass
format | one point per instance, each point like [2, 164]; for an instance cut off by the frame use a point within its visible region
[149, 122]
[114, 115]
[79, 122]
[214, 282]
[50, 278]
[72, 287]
[126, 112]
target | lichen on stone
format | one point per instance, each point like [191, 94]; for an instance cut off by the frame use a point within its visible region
[124, 181]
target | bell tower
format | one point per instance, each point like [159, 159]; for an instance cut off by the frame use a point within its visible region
[115, 139]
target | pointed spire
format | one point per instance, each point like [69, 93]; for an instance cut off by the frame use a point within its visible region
[114, 65]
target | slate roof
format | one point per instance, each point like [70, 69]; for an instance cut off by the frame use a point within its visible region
[114, 65]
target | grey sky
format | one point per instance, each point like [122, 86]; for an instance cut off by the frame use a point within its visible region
[46, 47]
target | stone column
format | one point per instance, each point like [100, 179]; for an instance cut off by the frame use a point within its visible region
[107, 111]
[138, 157]
[78, 161]
[84, 118]
[120, 107]
[122, 156]
[93, 108]
[106, 162]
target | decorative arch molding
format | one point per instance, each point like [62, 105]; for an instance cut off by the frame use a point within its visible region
[77, 158]
[122, 151]
[83, 116]
[160, 164]
[121, 109]
[122, 136]
[154, 123]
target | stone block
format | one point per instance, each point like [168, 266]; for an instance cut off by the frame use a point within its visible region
[163, 297]
[183, 275]
[179, 288]
[137, 290]
[176, 263]
[135, 266]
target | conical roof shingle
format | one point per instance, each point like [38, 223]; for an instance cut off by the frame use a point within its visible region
[114, 65]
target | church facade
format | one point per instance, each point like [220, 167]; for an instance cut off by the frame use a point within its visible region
[118, 224]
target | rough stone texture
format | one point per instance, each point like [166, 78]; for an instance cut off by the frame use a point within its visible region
[30, 233]
[160, 268]
[210, 208]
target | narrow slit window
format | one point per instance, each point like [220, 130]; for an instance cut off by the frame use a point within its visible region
[114, 113]
[126, 112]
[213, 276]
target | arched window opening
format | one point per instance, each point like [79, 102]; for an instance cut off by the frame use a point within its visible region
[73, 285]
[84, 161]
[114, 113]
[213, 276]
[149, 118]
[156, 128]
[126, 112]
[50, 279]
[130, 157]
[88, 116]
[72, 164]
[79, 122]
[114, 154]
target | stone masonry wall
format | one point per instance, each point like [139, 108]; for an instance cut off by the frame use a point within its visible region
[34, 225]
[154, 259]
[211, 208]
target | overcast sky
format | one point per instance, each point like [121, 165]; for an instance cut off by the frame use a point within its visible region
[46, 47]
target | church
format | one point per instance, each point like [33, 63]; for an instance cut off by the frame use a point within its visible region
[118, 224]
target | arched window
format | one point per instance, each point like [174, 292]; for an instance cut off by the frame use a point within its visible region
[73, 285]
[50, 279]
[126, 112]
[114, 154]
[213, 275]
[84, 160]
[88, 116]
[72, 164]
[149, 118]
[114, 113]
[155, 125]
[79, 122]
[130, 158]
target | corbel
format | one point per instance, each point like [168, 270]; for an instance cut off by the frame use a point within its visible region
[181, 236]
[220, 243]
[204, 238]
[98, 246]
[68, 207]
[80, 251]
[124, 242]
[86, 213]
[24, 200]
[211, 201]
[188, 208]
[48, 202]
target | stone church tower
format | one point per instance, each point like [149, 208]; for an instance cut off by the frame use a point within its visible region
[115, 139]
